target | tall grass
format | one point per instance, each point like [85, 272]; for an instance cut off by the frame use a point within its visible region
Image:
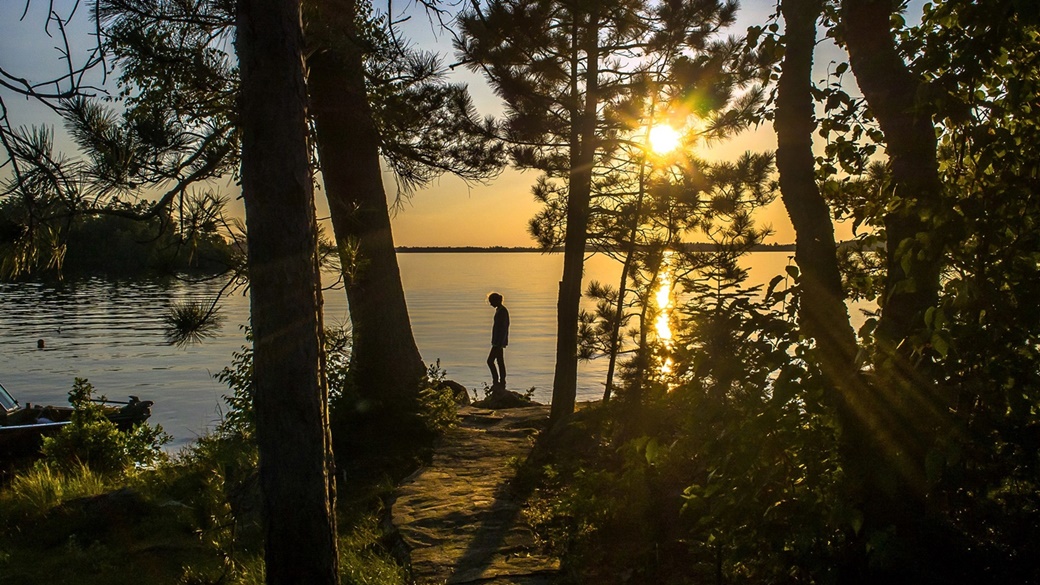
[362, 558]
[43, 487]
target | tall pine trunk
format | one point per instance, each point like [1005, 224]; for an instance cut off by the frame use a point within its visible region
[823, 315]
[583, 154]
[633, 230]
[285, 297]
[915, 242]
[385, 363]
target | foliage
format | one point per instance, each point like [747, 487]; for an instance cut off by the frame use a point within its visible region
[239, 419]
[433, 412]
[362, 558]
[113, 244]
[984, 69]
[176, 67]
[722, 469]
[191, 322]
[193, 519]
[427, 125]
[689, 200]
[93, 441]
[439, 405]
[215, 483]
[729, 468]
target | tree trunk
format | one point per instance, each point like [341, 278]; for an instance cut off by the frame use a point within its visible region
[900, 413]
[633, 231]
[285, 297]
[893, 93]
[823, 314]
[583, 154]
[917, 410]
[614, 346]
[385, 363]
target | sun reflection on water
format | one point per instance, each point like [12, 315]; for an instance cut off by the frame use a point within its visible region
[664, 303]
[663, 296]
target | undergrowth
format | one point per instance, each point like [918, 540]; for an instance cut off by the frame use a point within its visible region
[115, 515]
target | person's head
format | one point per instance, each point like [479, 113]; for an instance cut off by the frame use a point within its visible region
[494, 299]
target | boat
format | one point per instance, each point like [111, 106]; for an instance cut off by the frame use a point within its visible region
[22, 428]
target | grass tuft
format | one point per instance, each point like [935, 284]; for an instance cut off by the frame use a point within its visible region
[44, 487]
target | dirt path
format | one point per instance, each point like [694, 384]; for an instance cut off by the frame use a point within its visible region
[458, 517]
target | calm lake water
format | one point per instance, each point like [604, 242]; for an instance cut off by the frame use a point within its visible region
[110, 332]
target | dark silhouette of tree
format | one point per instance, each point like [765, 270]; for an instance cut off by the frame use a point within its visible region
[143, 165]
[646, 221]
[360, 111]
[385, 362]
[824, 316]
[891, 425]
[896, 97]
[291, 392]
[81, 71]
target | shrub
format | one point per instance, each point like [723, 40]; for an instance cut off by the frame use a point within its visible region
[438, 406]
[91, 440]
[239, 418]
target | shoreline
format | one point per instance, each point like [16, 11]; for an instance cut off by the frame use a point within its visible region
[695, 247]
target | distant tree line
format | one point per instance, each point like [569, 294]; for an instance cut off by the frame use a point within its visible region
[121, 246]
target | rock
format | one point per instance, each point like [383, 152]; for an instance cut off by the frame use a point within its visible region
[458, 390]
[501, 398]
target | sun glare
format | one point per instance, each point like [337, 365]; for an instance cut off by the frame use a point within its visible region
[664, 138]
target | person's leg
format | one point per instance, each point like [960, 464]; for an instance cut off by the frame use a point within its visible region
[501, 358]
[495, 354]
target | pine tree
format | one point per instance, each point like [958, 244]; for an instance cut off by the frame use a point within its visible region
[291, 392]
[559, 66]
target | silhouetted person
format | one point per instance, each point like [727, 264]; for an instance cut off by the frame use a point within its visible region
[499, 340]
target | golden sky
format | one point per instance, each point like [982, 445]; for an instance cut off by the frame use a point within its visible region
[448, 212]
[451, 213]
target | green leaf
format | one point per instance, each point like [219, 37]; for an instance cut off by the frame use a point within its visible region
[940, 345]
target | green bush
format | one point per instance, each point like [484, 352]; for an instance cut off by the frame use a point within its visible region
[362, 558]
[438, 406]
[239, 418]
[93, 441]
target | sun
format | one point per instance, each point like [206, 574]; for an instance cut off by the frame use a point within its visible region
[664, 138]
